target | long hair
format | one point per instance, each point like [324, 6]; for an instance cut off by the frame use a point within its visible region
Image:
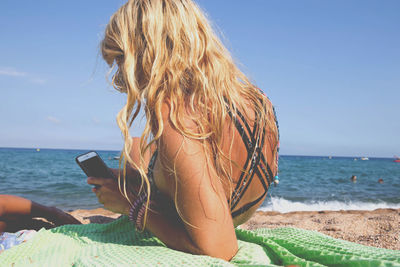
[166, 50]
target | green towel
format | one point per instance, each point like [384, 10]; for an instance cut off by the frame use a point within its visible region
[118, 244]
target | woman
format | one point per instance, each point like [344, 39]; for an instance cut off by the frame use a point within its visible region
[209, 148]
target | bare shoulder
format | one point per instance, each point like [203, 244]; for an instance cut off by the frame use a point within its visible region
[186, 119]
[174, 139]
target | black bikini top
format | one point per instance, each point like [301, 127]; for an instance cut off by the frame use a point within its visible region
[256, 163]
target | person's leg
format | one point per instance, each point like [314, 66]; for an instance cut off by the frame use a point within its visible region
[3, 226]
[24, 222]
[18, 213]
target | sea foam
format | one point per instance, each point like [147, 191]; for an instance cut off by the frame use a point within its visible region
[283, 205]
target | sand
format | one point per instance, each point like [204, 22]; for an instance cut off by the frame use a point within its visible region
[378, 228]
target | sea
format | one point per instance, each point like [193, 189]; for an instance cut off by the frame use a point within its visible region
[306, 183]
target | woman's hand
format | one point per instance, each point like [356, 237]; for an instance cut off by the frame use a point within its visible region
[107, 191]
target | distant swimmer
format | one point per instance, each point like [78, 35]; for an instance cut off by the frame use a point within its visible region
[276, 180]
[380, 181]
[353, 178]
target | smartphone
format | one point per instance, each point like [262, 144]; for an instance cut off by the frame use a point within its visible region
[93, 165]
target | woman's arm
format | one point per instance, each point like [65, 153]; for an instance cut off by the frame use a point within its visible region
[208, 229]
[206, 226]
[200, 197]
[167, 226]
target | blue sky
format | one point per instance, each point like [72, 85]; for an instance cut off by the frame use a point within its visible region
[331, 68]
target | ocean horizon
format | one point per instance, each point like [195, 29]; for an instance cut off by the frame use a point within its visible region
[118, 151]
[307, 183]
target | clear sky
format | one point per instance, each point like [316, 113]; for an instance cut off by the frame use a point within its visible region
[331, 68]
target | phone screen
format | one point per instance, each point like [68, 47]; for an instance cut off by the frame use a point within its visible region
[93, 165]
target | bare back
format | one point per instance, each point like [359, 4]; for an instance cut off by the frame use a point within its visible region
[253, 189]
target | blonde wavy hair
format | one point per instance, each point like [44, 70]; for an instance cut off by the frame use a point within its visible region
[166, 50]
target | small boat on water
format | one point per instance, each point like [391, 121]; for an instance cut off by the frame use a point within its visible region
[364, 158]
[396, 159]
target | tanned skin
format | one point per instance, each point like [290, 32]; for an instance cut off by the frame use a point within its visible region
[205, 226]
[17, 213]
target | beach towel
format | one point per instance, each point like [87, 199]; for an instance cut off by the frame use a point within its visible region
[118, 244]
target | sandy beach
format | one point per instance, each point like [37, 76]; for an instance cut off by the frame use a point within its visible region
[378, 228]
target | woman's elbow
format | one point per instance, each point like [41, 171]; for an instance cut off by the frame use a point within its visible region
[225, 252]
[228, 254]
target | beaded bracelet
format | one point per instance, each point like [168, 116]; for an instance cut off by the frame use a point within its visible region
[136, 206]
[140, 217]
